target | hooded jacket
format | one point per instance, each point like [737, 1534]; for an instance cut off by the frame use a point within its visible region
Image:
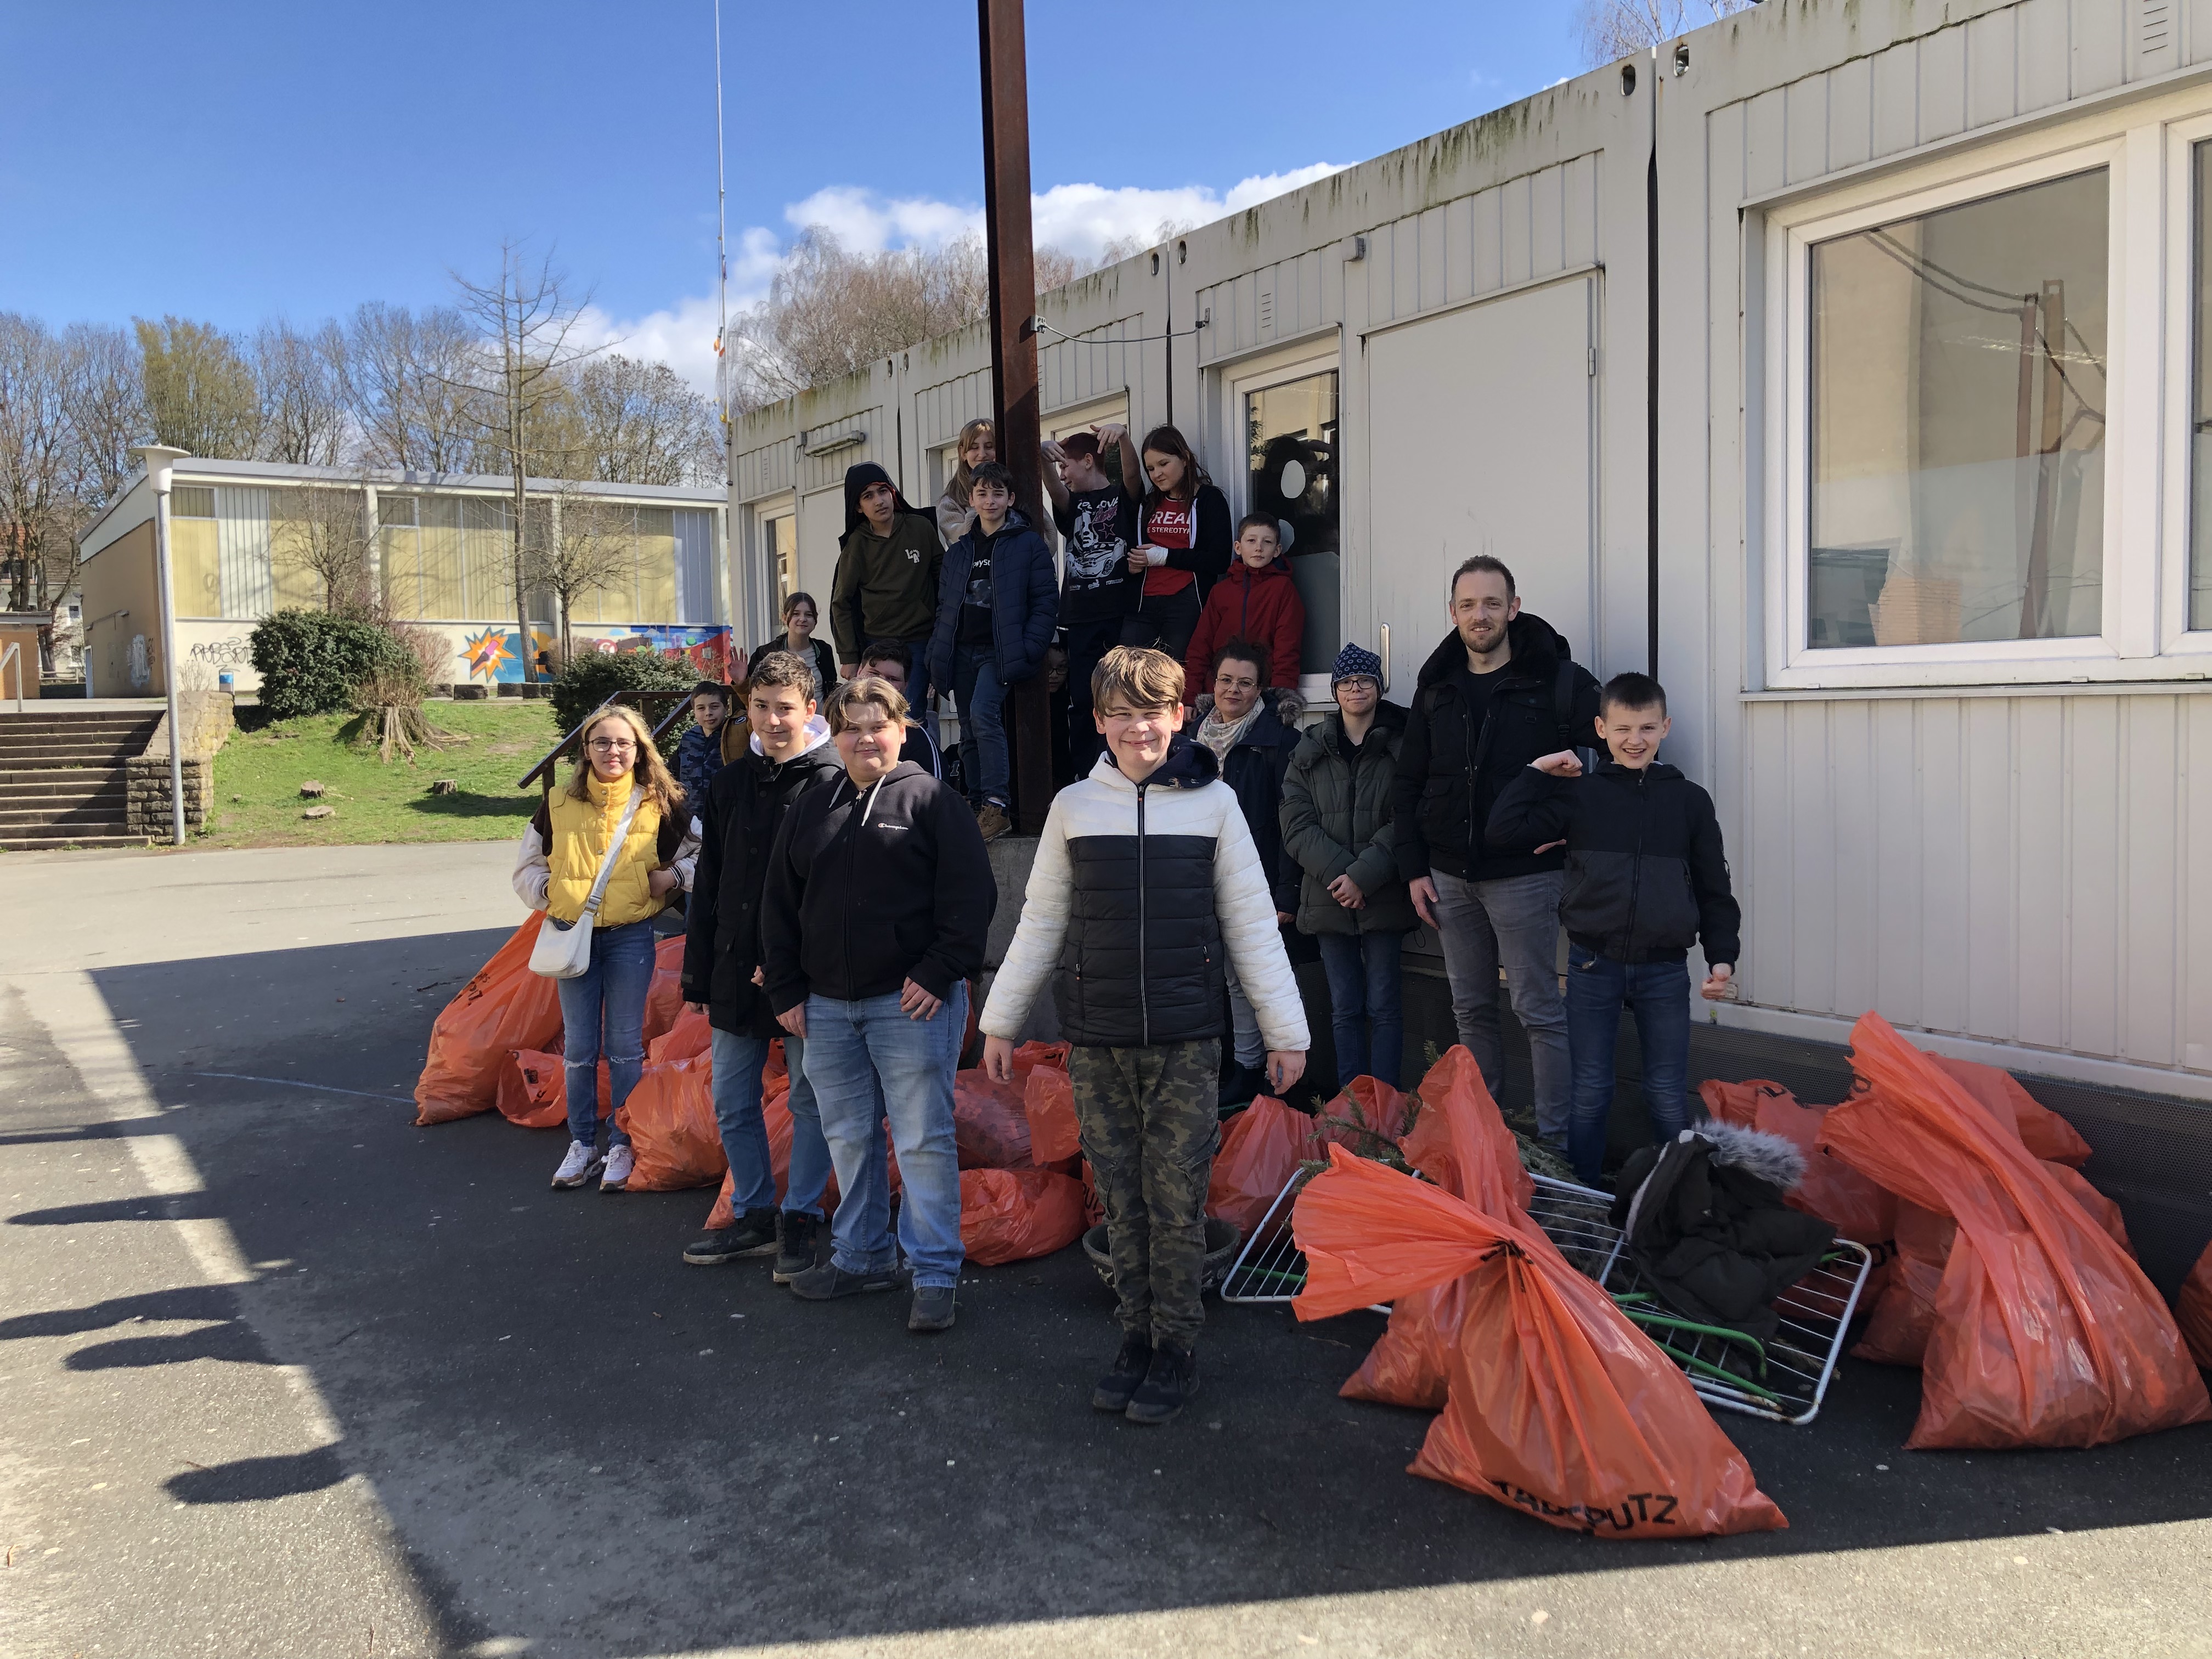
[744, 806]
[1254, 768]
[1024, 601]
[1646, 875]
[1260, 606]
[1138, 894]
[1336, 822]
[869, 888]
[1703, 1217]
[885, 587]
[1451, 772]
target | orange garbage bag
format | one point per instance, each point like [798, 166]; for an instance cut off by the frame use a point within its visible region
[1902, 1314]
[664, 997]
[2044, 1332]
[1459, 1141]
[1051, 1056]
[504, 1008]
[1856, 1208]
[1048, 1103]
[691, 1036]
[533, 1089]
[2041, 1130]
[670, 1119]
[1262, 1148]
[1012, 1215]
[2192, 1309]
[990, 1125]
[1558, 1405]
[1367, 1116]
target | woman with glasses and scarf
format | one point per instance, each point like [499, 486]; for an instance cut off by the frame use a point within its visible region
[620, 785]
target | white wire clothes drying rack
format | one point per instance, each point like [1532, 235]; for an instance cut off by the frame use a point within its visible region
[1783, 1378]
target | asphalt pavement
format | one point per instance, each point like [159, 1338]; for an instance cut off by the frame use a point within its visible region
[283, 1374]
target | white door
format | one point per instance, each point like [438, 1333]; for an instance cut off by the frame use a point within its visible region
[1480, 440]
[821, 526]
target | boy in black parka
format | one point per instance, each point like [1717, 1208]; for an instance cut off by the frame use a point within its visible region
[1646, 878]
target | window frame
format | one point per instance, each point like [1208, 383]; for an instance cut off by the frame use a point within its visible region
[2174, 638]
[1238, 379]
[2129, 536]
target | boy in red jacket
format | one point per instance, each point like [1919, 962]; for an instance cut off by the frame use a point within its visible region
[1257, 601]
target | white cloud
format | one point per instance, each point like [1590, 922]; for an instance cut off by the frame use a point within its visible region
[1080, 218]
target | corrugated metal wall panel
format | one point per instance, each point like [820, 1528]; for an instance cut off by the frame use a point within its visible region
[1097, 363]
[2097, 31]
[1992, 67]
[1805, 129]
[817, 471]
[942, 410]
[766, 470]
[2046, 68]
[2012, 869]
[2195, 30]
[1942, 84]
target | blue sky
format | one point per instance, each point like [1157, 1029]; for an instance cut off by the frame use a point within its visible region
[240, 159]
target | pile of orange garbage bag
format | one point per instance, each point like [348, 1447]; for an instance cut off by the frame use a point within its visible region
[2033, 1323]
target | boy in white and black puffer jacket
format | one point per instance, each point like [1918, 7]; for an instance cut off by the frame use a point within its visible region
[1145, 884]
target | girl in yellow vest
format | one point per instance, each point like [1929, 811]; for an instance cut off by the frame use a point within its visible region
[603, 1008]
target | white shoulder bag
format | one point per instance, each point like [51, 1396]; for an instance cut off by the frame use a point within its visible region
[564, 948]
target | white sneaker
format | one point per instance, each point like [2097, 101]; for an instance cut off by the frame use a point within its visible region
[576, 1169]
[620, 1161]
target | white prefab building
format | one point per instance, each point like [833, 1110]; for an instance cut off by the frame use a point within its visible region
[248, 537]
[1848, 359]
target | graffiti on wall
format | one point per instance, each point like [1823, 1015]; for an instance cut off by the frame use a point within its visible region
[494, 655]
[233, 653]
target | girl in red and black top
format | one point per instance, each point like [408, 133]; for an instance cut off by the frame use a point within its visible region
[1183, 544]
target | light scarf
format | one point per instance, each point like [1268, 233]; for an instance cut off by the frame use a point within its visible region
[610, 798]
[1220, 738]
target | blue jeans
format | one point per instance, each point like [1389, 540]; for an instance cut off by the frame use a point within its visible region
[602, 1014]
[738, 1090]
[1364, 987]
[1659, 994]
[982, 702]
[918, 687]
[865, 1059]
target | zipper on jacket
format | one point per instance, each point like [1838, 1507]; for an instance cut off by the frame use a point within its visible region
[1636, 871]
[1144, 1002]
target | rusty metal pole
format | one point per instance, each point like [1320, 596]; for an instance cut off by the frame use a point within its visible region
[1013, 268]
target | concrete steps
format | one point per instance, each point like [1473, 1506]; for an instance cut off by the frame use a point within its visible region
[62, 777]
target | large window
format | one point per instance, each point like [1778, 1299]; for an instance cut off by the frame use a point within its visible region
[1291, 458]
[1957, 382]
[2199, 604]
[195, 562]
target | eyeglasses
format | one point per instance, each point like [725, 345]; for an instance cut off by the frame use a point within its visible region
[618, 746]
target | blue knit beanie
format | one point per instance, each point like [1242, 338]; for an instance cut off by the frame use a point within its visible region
[1353, 661]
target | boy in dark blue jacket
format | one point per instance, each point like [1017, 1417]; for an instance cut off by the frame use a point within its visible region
[998, 601]
[1646, 878]
[699, 752]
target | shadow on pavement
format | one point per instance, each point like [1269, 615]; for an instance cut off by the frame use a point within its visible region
[688, 1453]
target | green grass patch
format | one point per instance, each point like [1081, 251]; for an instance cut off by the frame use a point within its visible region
[258, 775]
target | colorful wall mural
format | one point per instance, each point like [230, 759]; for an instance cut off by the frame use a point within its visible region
[493, 655]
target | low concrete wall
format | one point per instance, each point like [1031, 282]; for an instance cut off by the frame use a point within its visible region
[207, 720]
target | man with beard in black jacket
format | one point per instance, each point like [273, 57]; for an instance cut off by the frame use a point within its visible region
[1500, 691]
[786, 752]
[879, 896]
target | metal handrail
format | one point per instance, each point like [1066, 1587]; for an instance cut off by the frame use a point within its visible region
[542, 773]
[14, 654]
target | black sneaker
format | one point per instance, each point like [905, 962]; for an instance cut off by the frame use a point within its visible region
[1172, 1380]
[829, 1281]
[932, 1309]
[796, 1255]
[1115, 1388]
[752, 1234]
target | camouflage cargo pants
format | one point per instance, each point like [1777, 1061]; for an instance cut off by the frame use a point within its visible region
[1149, 1130]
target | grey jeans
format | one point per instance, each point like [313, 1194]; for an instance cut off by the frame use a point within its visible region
[1513, 922]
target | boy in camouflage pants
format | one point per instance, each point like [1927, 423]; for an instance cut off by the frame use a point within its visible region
[1146, 881]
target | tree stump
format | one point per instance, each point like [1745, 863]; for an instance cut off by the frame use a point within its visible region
[311, 790]
[320, 812]
[444, 787]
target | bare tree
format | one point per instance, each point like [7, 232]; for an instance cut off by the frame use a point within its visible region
[528, 344]
[1612, 29]
[830, 310]
[324, 534]
[39, 514]
[103, 385]
[409, 376]
[585, 547]
[200, 392]
[304, 395]
[621, 420]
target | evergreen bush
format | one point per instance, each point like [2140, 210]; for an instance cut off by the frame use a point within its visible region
[592, 677]
[310, 661]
